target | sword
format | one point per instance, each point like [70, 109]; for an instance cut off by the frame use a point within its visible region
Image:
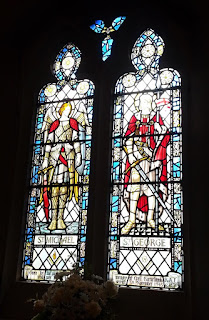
[151, 187]
[45, 170]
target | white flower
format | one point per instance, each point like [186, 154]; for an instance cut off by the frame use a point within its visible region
[60, 275]
[97, 278]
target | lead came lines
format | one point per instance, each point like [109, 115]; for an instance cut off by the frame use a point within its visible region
[157, 262]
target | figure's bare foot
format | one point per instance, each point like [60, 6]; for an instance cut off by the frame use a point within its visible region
[127, 228]
[61, 224]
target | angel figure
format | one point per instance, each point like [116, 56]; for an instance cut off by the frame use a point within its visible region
[63, 161]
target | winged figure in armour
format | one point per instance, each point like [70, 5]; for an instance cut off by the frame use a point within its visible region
[63, 160]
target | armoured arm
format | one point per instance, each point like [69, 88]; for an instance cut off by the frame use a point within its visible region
[78, 158]
[77, 147]
[48, 120]
[156, 162]
[161, 129]
[129, 150]
[47, 150]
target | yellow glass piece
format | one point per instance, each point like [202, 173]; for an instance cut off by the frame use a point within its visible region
[54, 256]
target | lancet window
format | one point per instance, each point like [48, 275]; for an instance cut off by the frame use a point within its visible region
[55, 234]
[145, 231]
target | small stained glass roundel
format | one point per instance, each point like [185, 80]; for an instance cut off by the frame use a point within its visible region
[68, 62]
[148, 51]
[129, 80]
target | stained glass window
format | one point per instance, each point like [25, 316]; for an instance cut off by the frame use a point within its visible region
[55, 231]
[99, 27]
[145, 234]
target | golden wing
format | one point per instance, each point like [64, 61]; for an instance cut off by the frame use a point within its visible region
[48, 120]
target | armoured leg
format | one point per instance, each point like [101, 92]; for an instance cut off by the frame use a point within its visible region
[134, 197]
[54, 203]
[62, 204]
[71, 169]
[150, 215]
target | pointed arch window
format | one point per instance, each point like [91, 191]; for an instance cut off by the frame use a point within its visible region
[145, 231]
[55, 234]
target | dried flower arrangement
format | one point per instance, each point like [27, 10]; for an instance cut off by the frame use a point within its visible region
[76, 298]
